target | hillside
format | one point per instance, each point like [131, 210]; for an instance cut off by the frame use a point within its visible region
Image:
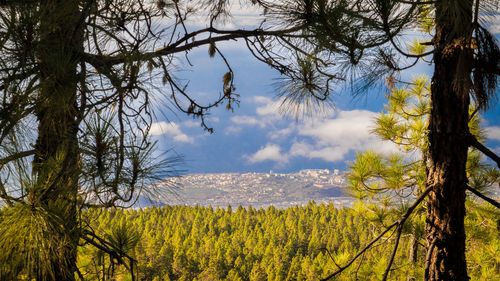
[255, 189]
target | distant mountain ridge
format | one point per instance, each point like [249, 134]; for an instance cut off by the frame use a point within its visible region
[256, 189]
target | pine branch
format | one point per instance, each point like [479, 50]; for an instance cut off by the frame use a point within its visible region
[400, 228]
[393, 255]
[331, 257]
[104, 246]
[16, 156]
[181, 45]
[367, 247]
[16, 77]
[398, 223]
[80, 275]
[6, 197]
[484, 197]
[474, 142]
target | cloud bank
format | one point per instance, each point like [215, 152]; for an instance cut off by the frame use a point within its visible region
[329, 139]
[493, 133]
[171, 129]
[269, 152]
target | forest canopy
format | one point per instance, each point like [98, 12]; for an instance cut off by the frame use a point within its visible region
[271, 244]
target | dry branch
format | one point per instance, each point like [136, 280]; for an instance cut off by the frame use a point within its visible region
[398, 223]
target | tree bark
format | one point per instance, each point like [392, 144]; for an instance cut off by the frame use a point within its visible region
[448, 130]
[413, 251]
[56, 163]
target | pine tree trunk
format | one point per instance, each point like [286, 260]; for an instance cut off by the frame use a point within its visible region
[413, 251]
[56, 163]
[448, 130]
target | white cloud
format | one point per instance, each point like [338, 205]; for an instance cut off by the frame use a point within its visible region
[158, 129]
[280, 134]
[495, 24]
[347, 131]
[495, 29]
[344, 133]
[269, 152]
[329, 154]
[191, 123]
[300, 149]
[183, 138]
[346, 128]
[171, 129]
[282, 109]
[493, 133]
[330, 139]
[232, 130]
[270, 109]
[261, 99]
[241, 16]
[267, 115]
[497, 150]
[213, 119]
[246, 120]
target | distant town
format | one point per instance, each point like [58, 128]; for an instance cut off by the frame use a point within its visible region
[255, 189]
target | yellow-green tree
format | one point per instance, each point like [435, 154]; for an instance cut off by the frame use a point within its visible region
[386, 185]
[368, 41]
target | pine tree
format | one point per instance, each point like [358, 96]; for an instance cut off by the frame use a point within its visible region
[390, 182]
[367, 41]
[78, 81]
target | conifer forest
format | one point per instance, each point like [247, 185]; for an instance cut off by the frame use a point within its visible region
[90, 91]
[297, 243]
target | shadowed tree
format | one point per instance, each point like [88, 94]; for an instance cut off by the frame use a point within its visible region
[79, 80]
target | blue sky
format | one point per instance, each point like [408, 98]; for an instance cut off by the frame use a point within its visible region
[257, 138]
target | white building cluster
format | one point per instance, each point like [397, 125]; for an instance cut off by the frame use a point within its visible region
[262, 189]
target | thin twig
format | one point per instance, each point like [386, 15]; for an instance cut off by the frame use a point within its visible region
[396, 244]
[484, 197]
[360, 252]
[331, 257]
[398, 223]
[359, 266]
[80, 275]
[104, 246]
[16, 156]
[474, 142]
